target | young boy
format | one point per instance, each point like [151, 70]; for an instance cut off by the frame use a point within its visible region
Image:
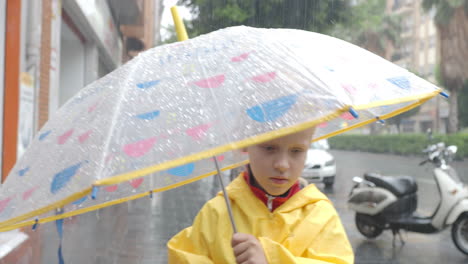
[277, 222]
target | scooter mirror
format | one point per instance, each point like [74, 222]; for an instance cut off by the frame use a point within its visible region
[441, 145]
[357, 179]
[452, 149]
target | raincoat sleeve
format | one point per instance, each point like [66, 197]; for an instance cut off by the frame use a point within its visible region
[330, 245]
[191, 244]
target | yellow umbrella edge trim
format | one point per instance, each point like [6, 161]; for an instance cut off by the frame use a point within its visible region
[4, 226]
[397, 101]
[45, 209]
[394, 113]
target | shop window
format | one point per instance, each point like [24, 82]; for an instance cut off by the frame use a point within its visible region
[72, 63]
[407, 126]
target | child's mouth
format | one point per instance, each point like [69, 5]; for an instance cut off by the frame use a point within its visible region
[279, 180]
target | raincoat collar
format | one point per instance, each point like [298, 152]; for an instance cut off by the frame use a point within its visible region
[271, 202]
[239, 191]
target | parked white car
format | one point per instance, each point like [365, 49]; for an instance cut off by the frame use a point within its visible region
[320, 165]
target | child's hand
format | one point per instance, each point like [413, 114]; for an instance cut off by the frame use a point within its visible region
[247, 249]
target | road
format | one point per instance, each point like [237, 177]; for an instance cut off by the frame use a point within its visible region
[136, 232]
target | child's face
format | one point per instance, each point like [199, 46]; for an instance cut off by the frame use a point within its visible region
[278, 163]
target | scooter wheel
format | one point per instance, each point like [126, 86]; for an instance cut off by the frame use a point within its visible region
[460, 233]
[367, 226]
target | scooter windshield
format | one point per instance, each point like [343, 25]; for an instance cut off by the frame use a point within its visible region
[452, 173]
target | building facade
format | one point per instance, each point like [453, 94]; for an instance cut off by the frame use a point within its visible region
[49, 50]
[418, 52]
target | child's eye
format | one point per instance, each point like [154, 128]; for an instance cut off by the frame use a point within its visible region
[297, 150]
[269, 148]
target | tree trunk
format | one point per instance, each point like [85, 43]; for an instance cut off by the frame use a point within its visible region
[453, 112]
[372, 44]
[453, 39]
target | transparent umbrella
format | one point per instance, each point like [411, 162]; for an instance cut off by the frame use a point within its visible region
[158, 121]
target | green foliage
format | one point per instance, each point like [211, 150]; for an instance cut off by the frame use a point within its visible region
[370, 27]
[173, 36]
[405, 144]
[313, 15]
[444, 9]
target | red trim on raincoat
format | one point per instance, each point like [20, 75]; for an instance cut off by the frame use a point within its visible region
[262, 195]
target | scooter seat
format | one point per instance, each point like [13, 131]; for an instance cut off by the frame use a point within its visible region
[398, 185]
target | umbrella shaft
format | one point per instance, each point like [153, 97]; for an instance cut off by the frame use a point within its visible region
[226, 198]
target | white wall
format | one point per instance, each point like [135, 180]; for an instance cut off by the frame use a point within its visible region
[72, 64]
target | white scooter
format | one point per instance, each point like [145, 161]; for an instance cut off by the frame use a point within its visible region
[387, 202]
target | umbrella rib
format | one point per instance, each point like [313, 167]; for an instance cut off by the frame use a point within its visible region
[114, 117]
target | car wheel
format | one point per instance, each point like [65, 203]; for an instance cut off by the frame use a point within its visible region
[329, 181]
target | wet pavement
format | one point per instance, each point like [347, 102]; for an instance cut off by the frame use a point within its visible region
[137, 231]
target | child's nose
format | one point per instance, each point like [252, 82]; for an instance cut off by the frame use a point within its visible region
[281, 163]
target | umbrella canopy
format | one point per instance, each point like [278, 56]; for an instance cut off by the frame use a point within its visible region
[156, 122]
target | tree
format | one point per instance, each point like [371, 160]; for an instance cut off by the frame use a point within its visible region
[451, 21]
[312, 15]
[370, 27]
[463, 106]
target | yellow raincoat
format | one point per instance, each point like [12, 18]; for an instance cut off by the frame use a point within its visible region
[305, 229]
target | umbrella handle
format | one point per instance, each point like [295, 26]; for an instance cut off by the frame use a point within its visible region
[179, 25]
[226, 198]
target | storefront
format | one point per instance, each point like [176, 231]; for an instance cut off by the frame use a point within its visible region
[89, 48]
[72, 60]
